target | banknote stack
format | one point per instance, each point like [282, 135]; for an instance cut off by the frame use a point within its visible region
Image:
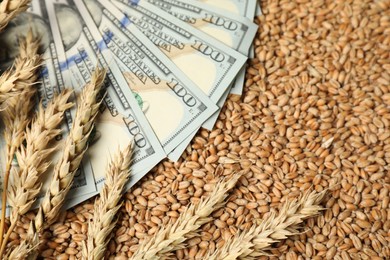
[171, 65]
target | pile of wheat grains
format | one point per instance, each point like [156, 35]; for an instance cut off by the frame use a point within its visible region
[315, 113]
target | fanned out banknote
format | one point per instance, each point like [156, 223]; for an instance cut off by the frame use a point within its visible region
[171, 65]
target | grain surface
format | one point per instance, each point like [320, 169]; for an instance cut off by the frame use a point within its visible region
[315, 113]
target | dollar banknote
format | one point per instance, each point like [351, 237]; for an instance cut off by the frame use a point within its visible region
[210, 64]
[81, 49]
[172, 103]
[245, 8]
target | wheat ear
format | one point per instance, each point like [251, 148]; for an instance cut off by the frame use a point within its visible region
[172, 236]
[106, 208]
[75, 146]
[32, 158]
[276, 227]
[9, 9]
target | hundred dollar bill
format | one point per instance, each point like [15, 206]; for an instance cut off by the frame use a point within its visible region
[51, 82]
[174, 105]
[245, 8]
[81, 49]
[216, 64]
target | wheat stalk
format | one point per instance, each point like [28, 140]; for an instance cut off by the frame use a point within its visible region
[172, 236]
[75, 147]
[9, 9]
[106, 208]
[250, 244]
[32, 158]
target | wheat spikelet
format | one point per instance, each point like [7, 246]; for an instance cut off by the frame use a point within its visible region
[250, 244]
[172, 237]
[28, 47]
[23, 73]
[106, 208]
[16, 118]
[9, 9]
[75, 147]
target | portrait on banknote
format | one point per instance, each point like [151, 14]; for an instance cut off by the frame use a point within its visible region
[70, 25]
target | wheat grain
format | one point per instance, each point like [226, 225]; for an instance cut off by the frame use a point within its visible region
[75, 146]
[172, 236]
[276, 227]
[9, 9]
[106, 208]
